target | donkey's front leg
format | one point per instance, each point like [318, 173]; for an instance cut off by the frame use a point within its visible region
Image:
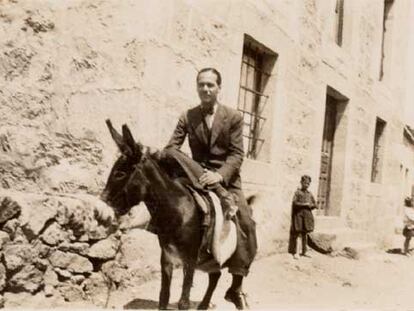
[212, 283]
[166, 275]
[184, 302]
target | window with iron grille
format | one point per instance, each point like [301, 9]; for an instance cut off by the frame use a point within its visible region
[256, 71]
[377, 157]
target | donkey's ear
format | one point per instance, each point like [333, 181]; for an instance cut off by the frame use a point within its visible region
[129, 140]
[127, 135]
[115, 135]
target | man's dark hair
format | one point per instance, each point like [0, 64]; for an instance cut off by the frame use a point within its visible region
[213, 70]
[306, 177]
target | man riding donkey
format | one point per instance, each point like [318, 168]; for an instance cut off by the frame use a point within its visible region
[215, 137]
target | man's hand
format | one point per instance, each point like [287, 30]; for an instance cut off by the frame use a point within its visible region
[231, 212]
[210, 178]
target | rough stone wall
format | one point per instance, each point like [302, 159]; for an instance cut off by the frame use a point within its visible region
[409, 107]
[65, 66]
[60, 248]
[371, 98]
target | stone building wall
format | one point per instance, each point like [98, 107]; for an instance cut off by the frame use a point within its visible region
[66, 66]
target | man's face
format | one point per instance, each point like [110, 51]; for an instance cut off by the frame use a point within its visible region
[207, 87]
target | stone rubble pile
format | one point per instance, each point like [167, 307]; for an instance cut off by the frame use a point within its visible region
[58, 246]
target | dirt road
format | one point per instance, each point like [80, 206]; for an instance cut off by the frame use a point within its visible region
[379, 281]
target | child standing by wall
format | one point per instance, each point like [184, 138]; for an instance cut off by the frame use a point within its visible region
[302, 219]
[408, 230]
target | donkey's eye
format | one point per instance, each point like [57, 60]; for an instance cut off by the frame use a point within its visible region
[119, 175]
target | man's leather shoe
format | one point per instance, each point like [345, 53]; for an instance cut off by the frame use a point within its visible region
[238, 298]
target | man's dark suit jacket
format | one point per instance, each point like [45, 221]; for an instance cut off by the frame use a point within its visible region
[222, 150]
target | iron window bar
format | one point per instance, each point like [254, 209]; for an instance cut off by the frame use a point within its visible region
[252, 101]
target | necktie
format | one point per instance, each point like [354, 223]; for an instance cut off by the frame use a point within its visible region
[208, 109]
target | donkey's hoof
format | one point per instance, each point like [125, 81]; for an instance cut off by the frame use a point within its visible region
[206, 306]
[183, 305]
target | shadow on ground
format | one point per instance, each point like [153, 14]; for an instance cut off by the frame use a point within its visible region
[395, 251]
[398, 251]
[146, 304]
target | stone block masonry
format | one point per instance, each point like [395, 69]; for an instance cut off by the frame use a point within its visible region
[66, 66]
[67, 253]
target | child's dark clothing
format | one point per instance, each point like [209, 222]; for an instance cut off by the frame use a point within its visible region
[408, 231]
[408, 222]
[302, 219]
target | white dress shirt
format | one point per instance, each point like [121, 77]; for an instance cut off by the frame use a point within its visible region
[209, 118]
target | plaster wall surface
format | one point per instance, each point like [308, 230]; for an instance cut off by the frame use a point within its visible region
[66, 66]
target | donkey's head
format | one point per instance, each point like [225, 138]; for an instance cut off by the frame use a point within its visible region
[126, 185]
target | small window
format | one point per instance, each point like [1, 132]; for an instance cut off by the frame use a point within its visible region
[256, 71]
[378, 153]
[339, 21]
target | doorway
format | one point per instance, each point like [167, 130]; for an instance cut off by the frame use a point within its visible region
[332, 165]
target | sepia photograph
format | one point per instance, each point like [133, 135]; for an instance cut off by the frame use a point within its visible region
[207, 154]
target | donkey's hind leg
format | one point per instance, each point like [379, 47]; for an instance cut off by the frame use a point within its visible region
[166, 275]
[212, 283]
[184, 302]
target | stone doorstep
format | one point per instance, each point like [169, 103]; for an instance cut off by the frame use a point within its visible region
[334, 228]
[342, 237]
[328, 222]
[347, 241]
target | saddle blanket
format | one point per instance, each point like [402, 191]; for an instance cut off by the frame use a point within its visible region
[223, 235]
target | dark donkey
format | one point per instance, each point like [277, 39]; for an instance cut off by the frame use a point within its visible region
[137, 176]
